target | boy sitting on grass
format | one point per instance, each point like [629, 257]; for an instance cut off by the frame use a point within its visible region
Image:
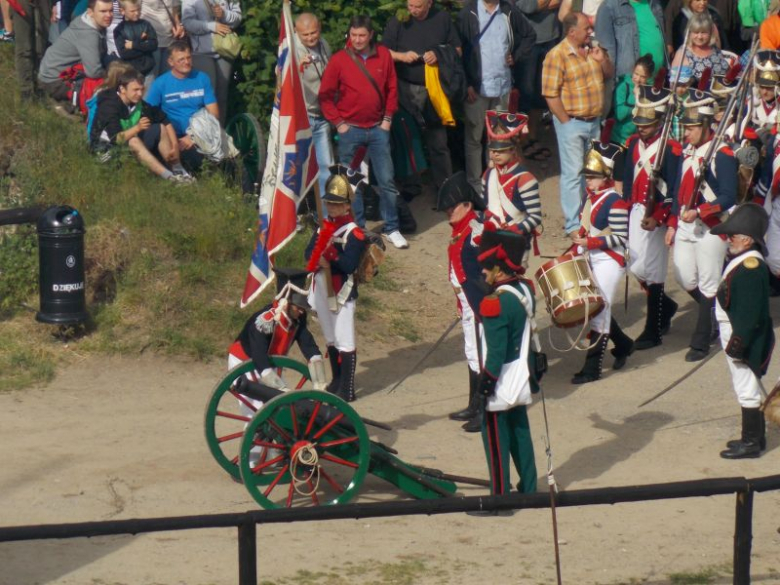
[123, 117]
[136, 39]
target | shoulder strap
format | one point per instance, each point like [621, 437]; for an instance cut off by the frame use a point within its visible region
[487, 26]
[528, 310]
[359, 62]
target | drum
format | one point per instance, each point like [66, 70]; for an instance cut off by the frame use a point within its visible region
[569, 290]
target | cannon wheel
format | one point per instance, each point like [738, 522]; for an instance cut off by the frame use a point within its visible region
[248, 138]
[307, 460]
[225, 422]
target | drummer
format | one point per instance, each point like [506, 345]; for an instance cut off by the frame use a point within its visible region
[510, 191]
[602, 238]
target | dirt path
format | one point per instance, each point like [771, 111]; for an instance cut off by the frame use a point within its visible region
[123, 438]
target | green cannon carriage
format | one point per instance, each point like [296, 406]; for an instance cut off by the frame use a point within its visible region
[303, 447]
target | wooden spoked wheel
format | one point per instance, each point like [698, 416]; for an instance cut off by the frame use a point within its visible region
[228, 412]
[305, 448]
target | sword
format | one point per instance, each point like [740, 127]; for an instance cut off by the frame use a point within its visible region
[682, 378]
[434, 347]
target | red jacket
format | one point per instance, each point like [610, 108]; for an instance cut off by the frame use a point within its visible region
[347, 96]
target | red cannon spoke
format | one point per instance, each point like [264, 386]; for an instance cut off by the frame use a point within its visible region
[312, 493]
[312, 418]
[301, 382]
[290, 494]
[294, 416]
[335, 442]
[260, 466]
[339, 460]
[234, 461]
[268, 444]
[233, 416]
[230, 437]
[280, 430]
[330, 425]
[279, 476]
[243, 400]
[331, 481]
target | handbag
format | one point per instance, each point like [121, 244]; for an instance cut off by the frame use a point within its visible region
[226, 46]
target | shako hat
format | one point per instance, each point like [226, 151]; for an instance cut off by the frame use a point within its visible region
[698, 103]
[503, 249]
[456, 190]
[723, 86]
[504, 129]
[748, 219]
[291, 285]
[767, 65]
[652, 101]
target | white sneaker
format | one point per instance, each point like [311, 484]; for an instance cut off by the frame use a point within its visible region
[397, 240]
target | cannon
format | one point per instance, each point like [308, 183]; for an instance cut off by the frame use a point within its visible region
[303, 447]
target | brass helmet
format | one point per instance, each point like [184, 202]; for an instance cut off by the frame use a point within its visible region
[767, 64]
[338, 187]
[603, 154]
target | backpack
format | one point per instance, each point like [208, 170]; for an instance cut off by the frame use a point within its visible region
[372, 258]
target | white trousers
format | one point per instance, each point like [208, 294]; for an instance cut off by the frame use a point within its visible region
[698, 258]
[469, 325]
[608, 275]
[773, 237]
[339, 327]
[648, 254]
[746, 385]
[253, 376]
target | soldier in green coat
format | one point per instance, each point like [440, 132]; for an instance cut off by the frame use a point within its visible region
[742, 310]
[507, 377]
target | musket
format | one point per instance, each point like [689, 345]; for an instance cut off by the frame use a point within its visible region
[671, 107]
[719, 135]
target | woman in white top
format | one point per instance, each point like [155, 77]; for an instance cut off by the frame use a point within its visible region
[202, 19]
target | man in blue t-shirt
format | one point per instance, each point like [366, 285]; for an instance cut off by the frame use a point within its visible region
[180, 93]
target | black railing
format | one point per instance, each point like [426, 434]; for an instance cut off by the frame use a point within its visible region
[247, 522]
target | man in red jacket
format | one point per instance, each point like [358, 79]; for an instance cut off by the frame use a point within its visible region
[358, 95]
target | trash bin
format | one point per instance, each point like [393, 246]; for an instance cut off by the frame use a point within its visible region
[61, 266]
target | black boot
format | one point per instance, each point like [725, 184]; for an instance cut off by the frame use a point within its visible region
[750, 445]
[591, 371]
[335, 368]
[762, 436]
[624, 345]
[700, 341]
[346, 389]
[651, 335]
[474, 425]
[668, 309]
[471, 410]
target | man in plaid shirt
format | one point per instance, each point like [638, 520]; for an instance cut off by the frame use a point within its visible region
[573, 85]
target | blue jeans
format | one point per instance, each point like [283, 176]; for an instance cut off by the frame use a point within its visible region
[573, 142]
[378, 143]
[320, 130]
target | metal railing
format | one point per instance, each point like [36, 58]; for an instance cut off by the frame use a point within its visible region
[247, 522]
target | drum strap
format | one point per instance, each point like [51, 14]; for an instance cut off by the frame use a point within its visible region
[505, 203]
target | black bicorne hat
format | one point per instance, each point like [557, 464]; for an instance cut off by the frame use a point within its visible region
[748, 219]
[502, 248]
[291, 284]
[456, 190]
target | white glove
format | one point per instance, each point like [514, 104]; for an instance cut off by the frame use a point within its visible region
[270, 378]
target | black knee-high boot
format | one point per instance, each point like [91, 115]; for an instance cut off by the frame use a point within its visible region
[651, 335]
[750, 445]
[668, 309]
[700, 340]
[335, 368]
[591, 371]
[471, 410]
[346, 389]
[624, 345]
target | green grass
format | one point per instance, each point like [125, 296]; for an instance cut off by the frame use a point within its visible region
[700, 577]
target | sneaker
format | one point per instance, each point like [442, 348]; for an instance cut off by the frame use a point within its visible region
[397, 240]
[6, 37]
[182, 179]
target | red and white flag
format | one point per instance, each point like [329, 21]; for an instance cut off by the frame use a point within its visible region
[290, 169]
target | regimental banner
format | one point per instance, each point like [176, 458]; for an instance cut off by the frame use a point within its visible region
[290, 169]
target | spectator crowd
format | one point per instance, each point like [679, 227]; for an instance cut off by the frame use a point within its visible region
[152, 74]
